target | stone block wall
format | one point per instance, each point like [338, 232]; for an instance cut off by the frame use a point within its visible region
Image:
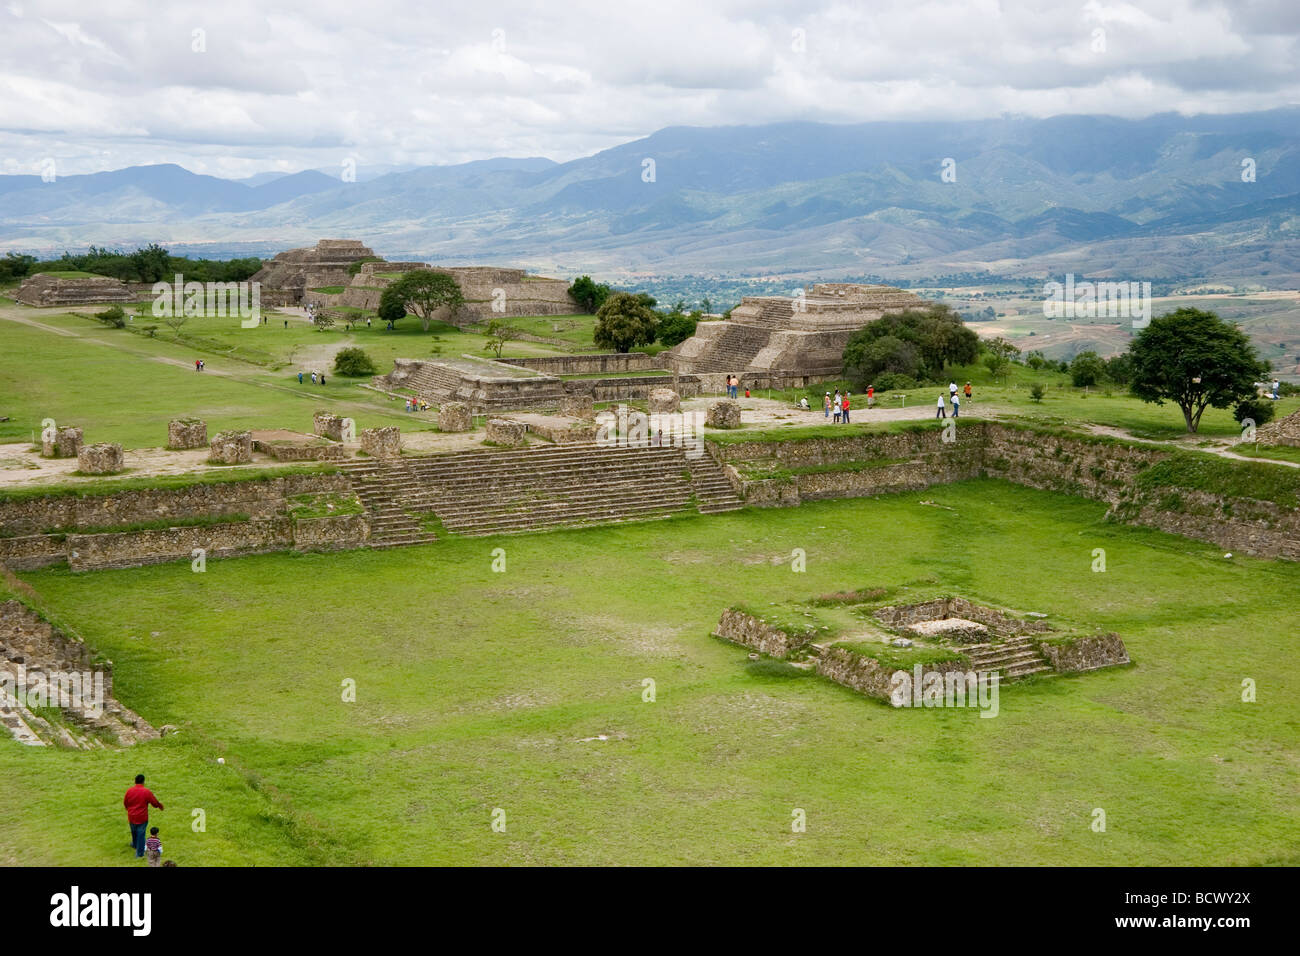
[664, 401]
[742, 627]
[723, 415]
[104, 458]
[1085, 653]
[385, 442]
[67, 442]
[454, 417]
[503, 431]
[232, 448]
[328, 426]
[187, 433]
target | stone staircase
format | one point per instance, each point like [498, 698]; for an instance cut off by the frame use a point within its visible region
[1013, 658]
[570, 485]
[713, 492]
[388, 492]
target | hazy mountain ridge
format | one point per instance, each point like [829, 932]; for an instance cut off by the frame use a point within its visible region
[1154, 197]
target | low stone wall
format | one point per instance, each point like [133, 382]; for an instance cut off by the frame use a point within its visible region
[91, 552]
[741, 627]
[998, 623]
[328, 426]
[580, 431]
[1239, 525]
[187, 433]
[1085, 653]
[868, 676]
[301, 451]
[612, 362]
[104, 458]
[664, 401]
[67, 442]
[331, 534]
[631, 387]
[503, 431]
[577, 406]
[723, 415]
[384, 442]
[29, 552]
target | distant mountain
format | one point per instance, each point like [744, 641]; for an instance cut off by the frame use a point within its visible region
[1153, 198]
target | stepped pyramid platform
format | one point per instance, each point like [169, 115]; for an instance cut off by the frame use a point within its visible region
[44, 289]
[290, 274]
[484, 385]
[788, 342]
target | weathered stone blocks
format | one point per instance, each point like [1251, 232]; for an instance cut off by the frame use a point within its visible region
[724, 415]
[232, 448]
[328, 426]
[66, 443]
[454, 417]
[665, 401]
[383, 442]
[578, 406]
[104, 458]
[187, 433]
[503, 431]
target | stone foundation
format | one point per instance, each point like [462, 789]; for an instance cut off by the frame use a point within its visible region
[383, 442]
[578, 406]
[503, 431]
[67, 442]
[187, 433]
[328, 426]
[665, 401]
[104, 458]
[454, 417]
[232, 448]
[742, 627]
[1085, 653]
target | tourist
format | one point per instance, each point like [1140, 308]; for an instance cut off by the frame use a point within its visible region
[803, 404]
[197, 365]
[300, 378]
[845, 406]
[871, 395]
[747, 392]
[286, 323]
[313, 378]
[968, 392]
[137, 801]
[952, 388]
[367, 321]
[1276, 385]
[956, 404]
[826, 404]
[153, 847]
[943, 409]
[322, 378]
[835, 406]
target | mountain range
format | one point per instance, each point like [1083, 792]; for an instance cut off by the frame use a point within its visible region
[1163, 197]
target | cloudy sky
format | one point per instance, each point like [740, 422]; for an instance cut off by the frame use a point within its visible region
[239, 87]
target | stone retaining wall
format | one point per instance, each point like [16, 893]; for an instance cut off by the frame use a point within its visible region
[187, 433]
[1085, 653]
[611, 362]
[741, 627]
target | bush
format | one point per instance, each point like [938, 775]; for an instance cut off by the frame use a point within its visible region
[676, 328]
[353, 362]
[1087, 369]
[1037, 391]
[113, 315]
[893, 381]
[1258, 410]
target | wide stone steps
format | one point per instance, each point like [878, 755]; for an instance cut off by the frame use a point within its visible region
[713, 492]
[1014, 658]
[383, 490]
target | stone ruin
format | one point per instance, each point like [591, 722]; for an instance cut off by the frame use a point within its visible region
[385, 442]
[723, 415]
[185, 433]
[454, 417]
[788, 341]
[44, 289]
[489, 292]
[232, 448]
[1285, 431]
[503, 431]
[66, 443]
[578, 406]
[664, 401]
[328, 426]
[104, 458]
[291, 274]
[42, 668]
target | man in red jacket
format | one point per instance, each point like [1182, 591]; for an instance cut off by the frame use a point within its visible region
[137, 801]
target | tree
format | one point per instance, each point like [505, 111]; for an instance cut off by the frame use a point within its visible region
[589, 294]
[1087, 368]
[353, 362]
[1196, 360]
[706, 305]
[917, 343]
[425, 291]
[322, 320]
[391, 307]
[498, 334]
[624, 321]
[1036, 391]
[1259, 411]
[151, 263]
[1119, 368]
[677, 328]
[999, 355]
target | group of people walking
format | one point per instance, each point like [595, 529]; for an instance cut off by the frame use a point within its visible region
[954, 396]
[313, 377]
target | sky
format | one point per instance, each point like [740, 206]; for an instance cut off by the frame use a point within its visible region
[237, 87]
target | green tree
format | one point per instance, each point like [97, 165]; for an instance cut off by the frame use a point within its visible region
[498, 334]
[1196, 360]
[677, 328]
[151, 263]
[589, 294]
[1119, 368]
[353, 361]
[999, 355]
[1087, 368]
[425, 291]
[391, 307]
[921, 343]
[625, 321]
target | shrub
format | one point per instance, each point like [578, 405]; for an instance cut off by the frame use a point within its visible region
[113, 315]
[1037, 391]
[1258, 410]
[894, 381]
[676, 328]
[354, 362]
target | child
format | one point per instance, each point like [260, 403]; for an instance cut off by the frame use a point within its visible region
[153, 847]
[871, 395]
[835, 406]
[845, 406]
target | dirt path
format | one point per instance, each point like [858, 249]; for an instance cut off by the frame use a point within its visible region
[1220, 446]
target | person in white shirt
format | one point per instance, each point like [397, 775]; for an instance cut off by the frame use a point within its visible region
[952, 388]
[942, 410]
[836, 410]
[956, 404]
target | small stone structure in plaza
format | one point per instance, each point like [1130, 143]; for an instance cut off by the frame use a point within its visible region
[232, 448]
[103, 458]
[664, 401]
[578, 406]
[65, 444]
[503, 431]
[385, 442]
[183, 433]
[723, 415]
[454, 417]
[329, 426]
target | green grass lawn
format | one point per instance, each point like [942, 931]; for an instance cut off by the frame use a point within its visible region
[479, 690]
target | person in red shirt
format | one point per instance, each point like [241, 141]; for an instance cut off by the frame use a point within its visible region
[137, 801]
